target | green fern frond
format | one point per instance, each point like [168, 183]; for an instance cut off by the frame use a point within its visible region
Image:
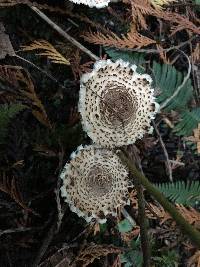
[7, 113]
[189, 121]
[180, 192]
[134, 58]
[168, 79]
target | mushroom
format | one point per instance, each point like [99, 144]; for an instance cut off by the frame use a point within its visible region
[95, 183]
[116, 103]
[93, 3]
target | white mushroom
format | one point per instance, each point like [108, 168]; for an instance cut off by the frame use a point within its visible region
[93, 3]
[116, 103]
[95, 183]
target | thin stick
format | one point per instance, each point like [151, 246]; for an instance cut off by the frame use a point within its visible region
[128, 217]
[164, 104]
[41, 70]
[186, 228]
[63, 33]
[168, 163]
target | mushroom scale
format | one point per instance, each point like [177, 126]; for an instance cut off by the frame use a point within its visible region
[116, 103]
[95, 183]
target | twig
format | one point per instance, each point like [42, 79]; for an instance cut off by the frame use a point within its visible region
[128, 217]
[42, 71]
[63, 33]
[45, 244]
[165, 103]
[168, 164]
[188, 229]
[156, 51]
[17, 230]
[175, 162]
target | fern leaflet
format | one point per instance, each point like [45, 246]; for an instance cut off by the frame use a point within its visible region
[181, 192]
[168, 79]
[189, 121]
[48, 50]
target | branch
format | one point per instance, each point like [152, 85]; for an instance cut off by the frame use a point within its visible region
[63, 33]
[188, 229]
[168, 163]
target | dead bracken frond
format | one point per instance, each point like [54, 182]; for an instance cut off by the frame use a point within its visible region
[48, 50]
[141, 8]
[133, 39]
[88, 254]
[158, 4]
[28, 92]
[8, 74]
[77, 68]
[190, 214]
[9, 186]
[20, 80]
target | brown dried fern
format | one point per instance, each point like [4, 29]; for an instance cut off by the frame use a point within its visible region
[23, 87]
[28, 92]
[49, 51]
[88, 254]
[189, 213]
[9, 186]
[158, 4]
[133, 39]
[141, 8]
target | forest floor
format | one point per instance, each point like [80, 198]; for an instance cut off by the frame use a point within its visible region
[40, 127]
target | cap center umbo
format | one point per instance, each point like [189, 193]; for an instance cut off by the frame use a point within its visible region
[99, 181]
[117, 105]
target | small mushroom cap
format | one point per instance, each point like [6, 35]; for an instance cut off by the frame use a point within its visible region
[95, 183]
[116, 103]
[93, 3]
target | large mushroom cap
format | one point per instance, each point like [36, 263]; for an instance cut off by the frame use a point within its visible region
[116, 103]
[95, 183]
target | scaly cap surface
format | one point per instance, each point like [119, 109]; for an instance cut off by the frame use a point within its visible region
[95, 183]
[116, 103]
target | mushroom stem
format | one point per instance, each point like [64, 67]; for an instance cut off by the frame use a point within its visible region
[188, 229]
[143, 222]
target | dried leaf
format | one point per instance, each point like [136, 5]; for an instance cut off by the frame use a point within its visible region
[28, 92]
[195, 138]
[158, 4]
[190, 214]
[49, 51]
[77, 68]
[194, 261]
[88, 254]
[9, 186]
[141, 8]
[21, 81]
[132, 39]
